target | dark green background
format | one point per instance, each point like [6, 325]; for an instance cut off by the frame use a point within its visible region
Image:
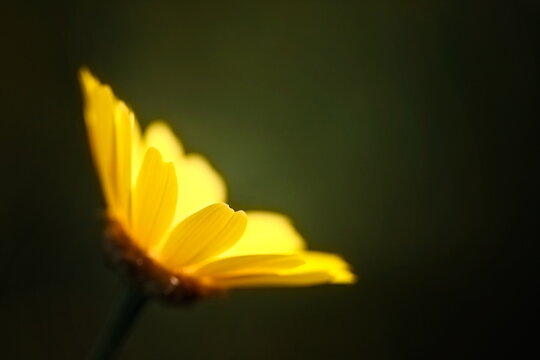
[397, 133]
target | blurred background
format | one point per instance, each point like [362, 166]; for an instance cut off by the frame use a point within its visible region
[396, 133]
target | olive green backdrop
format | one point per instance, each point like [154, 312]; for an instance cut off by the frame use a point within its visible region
[396, 133]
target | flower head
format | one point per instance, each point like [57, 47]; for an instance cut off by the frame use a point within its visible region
[167, 222]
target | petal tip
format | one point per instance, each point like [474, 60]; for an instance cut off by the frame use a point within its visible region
[345, 278]
[86, 78]
[240, 212]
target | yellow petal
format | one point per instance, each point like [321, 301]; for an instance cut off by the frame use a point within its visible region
[249, 264]
[124, 124]
[273, 280]
[267, 233]
[200, 185]
[332, 264]
[202, 235]
[99, 119]
[159, 135]
[112, 130]
[138, 151]
[318, 268]
[154, 200]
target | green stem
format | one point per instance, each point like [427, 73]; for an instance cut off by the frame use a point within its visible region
[119, 324]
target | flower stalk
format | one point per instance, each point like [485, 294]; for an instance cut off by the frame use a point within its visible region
[130, 305]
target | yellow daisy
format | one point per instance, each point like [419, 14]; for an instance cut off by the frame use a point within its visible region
[167, 222]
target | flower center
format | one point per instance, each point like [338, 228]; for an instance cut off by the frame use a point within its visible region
[137, 266]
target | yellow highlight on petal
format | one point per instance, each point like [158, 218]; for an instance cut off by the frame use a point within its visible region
[249, 264]
[99, 114]
[275, 280]
[201, 185]
[154, 200]
[332, 264]
[203, 235]
[160, 136]
[268, 233]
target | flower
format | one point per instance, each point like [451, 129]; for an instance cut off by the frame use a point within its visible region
[167, 222]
